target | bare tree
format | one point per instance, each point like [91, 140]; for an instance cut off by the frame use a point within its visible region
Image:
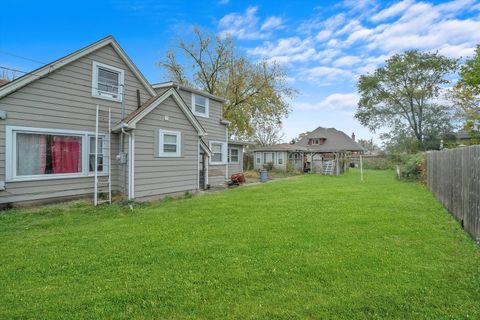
[266, 135]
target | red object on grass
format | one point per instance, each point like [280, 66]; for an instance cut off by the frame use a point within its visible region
[237, 178]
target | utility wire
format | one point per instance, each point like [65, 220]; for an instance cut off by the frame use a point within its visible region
[21, 57]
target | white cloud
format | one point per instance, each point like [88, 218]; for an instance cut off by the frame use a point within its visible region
[323, 35]
[272, 23]
[242, 26]
[286, 50]
[246, 26]
[346, 61]
[324, 75]
[335, 101]
[393, 10]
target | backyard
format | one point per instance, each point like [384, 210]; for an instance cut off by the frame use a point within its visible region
[305, 247]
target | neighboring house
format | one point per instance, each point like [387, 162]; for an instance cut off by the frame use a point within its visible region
[322, 150]
[165, 138]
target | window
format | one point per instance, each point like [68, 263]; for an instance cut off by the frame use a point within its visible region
[200, 105]
[233, 156]
[170, 143]
[259, 157]
[44, 154]
[107, 82]
[280, 157]
[268, 157]
[101, 167]
[219, 152]
[34, 153]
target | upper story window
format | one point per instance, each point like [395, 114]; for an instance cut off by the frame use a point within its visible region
[316, 141]
[200, 105]
[170, 143]
[107, 82]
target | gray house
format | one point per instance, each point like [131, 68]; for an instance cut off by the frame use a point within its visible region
[164, 138]
[324, 150]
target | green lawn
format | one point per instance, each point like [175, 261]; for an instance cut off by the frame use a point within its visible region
[306, 247]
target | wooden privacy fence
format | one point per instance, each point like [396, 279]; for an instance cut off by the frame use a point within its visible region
[454, 178]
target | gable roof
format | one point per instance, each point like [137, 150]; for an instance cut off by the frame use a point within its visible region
[173, 84]
[24, 80]
[131, 119]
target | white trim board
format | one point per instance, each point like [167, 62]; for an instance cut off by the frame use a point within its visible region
[161, 143]
[55, 65]
[97, 93]
[171, 92]
[10, 153]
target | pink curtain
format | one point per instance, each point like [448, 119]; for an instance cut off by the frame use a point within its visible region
[65, 154]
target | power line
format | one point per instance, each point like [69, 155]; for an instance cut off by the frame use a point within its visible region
[21, 57]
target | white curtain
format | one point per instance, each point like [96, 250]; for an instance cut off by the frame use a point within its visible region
[30, 151]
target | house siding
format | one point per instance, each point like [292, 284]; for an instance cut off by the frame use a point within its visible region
[236, 167]
[217, 174]
[156, 175]
[276, 165]
[63, 100]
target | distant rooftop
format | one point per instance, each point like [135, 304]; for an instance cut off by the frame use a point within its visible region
[334, 141]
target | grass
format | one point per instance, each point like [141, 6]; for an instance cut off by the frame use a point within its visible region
[306, 247]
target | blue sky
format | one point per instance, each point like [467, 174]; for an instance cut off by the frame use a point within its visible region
[324, 45]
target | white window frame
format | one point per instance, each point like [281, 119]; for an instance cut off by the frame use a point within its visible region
[265, 157]
[207, 106]
[230, 155]
[104, 155]
[280, 156]
[258, 156]
[224, 152]
[162, 153]
[11, 153]
[105, 95]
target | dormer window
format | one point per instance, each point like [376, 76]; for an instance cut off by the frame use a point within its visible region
[316, 141]
[107, 82]
[200, 105]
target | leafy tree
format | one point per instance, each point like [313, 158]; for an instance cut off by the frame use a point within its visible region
[466, 95]
[369, 145]
[403, 97]
[255, 91]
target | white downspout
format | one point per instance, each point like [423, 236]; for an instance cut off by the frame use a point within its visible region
[226, 166]
[130, 160]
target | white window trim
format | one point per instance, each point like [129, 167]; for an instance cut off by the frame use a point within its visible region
[11, 151]
[265, 157]
[207, 106]
[161, 153]
[105, 157]
[230, 155]
[106, 96]
[280, 155]
[224, 152]
[258, 156]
